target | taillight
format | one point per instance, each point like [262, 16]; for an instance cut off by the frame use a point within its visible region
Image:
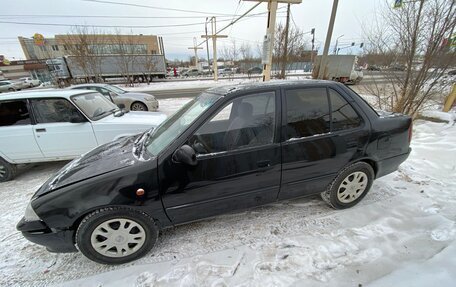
[410, 132]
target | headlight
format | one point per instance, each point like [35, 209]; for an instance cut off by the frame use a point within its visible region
[30, 214]
[149, 99]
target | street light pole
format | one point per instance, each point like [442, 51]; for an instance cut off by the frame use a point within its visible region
[328, 40]
[337, 43]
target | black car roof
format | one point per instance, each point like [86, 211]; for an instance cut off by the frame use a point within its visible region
[235, 88]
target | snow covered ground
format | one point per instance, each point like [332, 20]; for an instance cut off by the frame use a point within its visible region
[402, 234]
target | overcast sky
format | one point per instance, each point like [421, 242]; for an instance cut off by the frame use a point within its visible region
[351, 16]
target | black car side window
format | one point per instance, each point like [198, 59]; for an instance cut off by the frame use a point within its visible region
[14, 113]
[307, 112]
[244, 122]
[343, 115]
[54, 111]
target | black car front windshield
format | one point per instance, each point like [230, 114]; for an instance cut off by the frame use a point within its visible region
[115, 89]
[174, 126]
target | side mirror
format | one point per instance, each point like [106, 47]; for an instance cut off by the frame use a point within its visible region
[77, 119]
[186, 155]
[121, 106]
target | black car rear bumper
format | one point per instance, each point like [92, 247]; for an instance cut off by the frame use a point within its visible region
[391, 164]
[60, 241]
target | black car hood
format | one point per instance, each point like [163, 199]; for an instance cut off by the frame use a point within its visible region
[106, 158]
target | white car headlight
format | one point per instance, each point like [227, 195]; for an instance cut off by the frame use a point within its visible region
[30, 214]
[150, 99]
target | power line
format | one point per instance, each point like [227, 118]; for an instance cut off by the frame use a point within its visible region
[232, 23]
[115, 16]
[104, 26]
[156, 7]
[118, 26]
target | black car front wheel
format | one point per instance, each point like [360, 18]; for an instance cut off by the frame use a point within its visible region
[350, 186]
[7, 170]
[116, 235]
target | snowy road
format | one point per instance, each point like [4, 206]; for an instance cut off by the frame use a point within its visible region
[405, 227]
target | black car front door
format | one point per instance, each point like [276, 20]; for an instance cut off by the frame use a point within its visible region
[239, 161]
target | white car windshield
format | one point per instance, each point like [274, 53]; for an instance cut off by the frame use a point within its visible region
[115, 89]
[94, 105]
[174, 126]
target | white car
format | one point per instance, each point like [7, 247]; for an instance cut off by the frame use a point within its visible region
[29, 82]
[9, 86]
[52, 125]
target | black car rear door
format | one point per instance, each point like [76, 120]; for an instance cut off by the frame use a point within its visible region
[321, 133]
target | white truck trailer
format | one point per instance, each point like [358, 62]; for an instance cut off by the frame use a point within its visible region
[340, 68]
[103, 67]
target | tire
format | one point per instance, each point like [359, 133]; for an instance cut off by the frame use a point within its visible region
[350, 186]
[11, 90]
[143, 235]
[137, 106]
[7, 170]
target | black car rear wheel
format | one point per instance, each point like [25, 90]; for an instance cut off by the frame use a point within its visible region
[116, 235]
[350, 186]
[7, 170]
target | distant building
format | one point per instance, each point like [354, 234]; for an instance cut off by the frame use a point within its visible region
[61, 45]
[35, 69]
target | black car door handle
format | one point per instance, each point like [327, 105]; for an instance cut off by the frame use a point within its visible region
[40, 130]
[264, 163]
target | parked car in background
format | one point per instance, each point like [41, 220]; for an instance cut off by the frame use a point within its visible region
[226, 72]
[397, 67]
[128, 100]
[191, 73]
[255, 70]
[373, 68]
[50, 125]
[29, 82]
[230, 148]
[10, 86]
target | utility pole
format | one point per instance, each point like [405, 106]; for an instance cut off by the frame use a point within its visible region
[313, 46]
[285, 48]
[207, 47]
[268, 42]
[195, 48]
[214, 37]
[324, 57]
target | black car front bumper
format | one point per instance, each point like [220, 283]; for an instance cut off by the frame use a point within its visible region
[60, 241]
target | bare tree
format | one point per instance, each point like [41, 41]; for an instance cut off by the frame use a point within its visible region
[297, 45]
[412, 38]
[86, 46]
[127, 49]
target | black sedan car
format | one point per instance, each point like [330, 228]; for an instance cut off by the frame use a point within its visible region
[229, 148]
